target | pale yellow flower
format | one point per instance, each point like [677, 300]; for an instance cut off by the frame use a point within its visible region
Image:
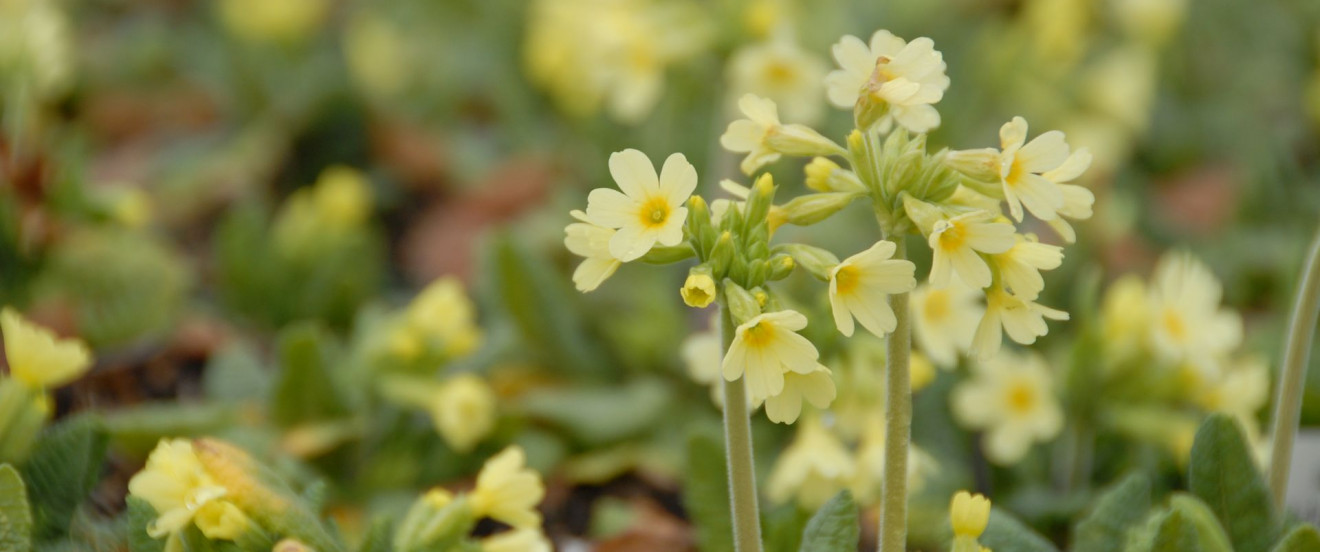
[860, 287]
[649, 210]
[517, 540]
[37, 47]
[1188, 323]
[906, 77]
[944, 320]
[1030, 172]
[1021, 319]
[1077, 205]
[1020, 266]
[37, 357]
[765, 347]
[779, 69]
[1010, 399]
[177, 485]
[698, 290]
[1241, 390]
[592, 242]
[955, 243]
[263, 20]
[813, 468]
[507, 491]
[816, 388]
[764, 139]
[968, 515]
[342, 196]
[1125, 316]
[377, 56]
[444, 313]
[463, 411]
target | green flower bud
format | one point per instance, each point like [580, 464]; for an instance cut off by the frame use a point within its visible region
[801, 140]
[436, 521]
[817, 261]
[721, 255]
[700, 232]
[780, 266]
[758, 203]
[742, 304]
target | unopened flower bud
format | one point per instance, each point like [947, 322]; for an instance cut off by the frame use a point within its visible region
[742, 304]
[722, 254]
[824, 175]
[817, 261]
[759, 201]
[800, 140]
[813, 208]
[435, 520]
[698, 290]
[781, 266]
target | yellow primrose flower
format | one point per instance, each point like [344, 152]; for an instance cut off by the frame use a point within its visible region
[907, 77]
[377, 55]
[507, 491]
[1010, 398]
[1188, 323]
[1022, 319]
[1240, 390]
[765, 347]
[1026, 169]
[177, 485]
[779, 69]
[649, 210]
[813, 468]
[698, 290]
[816, 387]
[956, 241]
[517, 540]
[921, 372]
[765, 139]
[262, 20]
[1125, 316]
[342, 197]
[444, 312]
[463, 411]
[969, 514]
[1077, 205]
[1020, 266]
[860, 287]
[591, 241]
[37, 357]
[944, 320]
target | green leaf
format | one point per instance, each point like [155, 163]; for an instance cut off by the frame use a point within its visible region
[1175, 534]
[1302, 538]
[63, 469]
[140, 515]
[834, 527]
[305, 391]
[15, 514]
[137, 429]
[1209, 531]
[1223, 474]
[1005, 532]
[604, 414]
[783, 527]
[379, 537]
[706, 492]
[1115, 512]
[236, 373]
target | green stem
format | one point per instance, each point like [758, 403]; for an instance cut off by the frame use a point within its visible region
[898, 422]
[1288, 400]
[738, 450]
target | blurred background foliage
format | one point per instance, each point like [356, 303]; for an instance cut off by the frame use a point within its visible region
[230, 199]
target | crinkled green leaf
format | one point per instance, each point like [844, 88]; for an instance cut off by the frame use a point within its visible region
[782, 527]
[64, 467]
[15, 513]
[1118, 510]
[706, 492]
[1302, 538]
[1005, 532]
[1224, 475]
[834, 527]
[140, 515]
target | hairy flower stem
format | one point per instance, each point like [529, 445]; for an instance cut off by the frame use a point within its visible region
[898, 421]
[1288, 401]
[738, 450]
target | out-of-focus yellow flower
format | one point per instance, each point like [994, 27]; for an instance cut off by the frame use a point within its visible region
[764, 139]
[36, 47]
[517, 540]
[904, 78]
[592, 52]
[955, 243]
[649, 209]
[1188, 324]
[37, 357]
[339, 201]
[1077, 202]
[968, 514]
[782, 71]
[1059, 29]
[1240, 389]
[763, 17]
[1011, 399]
[267, 21]
[1020, 266]
[1125, 317]
[860, 287]
[463, 410]
[944, 319]
[868, 481]
[816, 388]
[1021, 319]
[443, 313]
[1030, 172]
[813, 468]
[592, 242]
[181, 490]
[921, 372]
[376, 54]
[1152, 22]
[508, 491]
[1121, 86]
[766, 347]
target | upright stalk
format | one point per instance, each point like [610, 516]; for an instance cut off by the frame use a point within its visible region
[898, 421]
[738, 450]
[1288, 399]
